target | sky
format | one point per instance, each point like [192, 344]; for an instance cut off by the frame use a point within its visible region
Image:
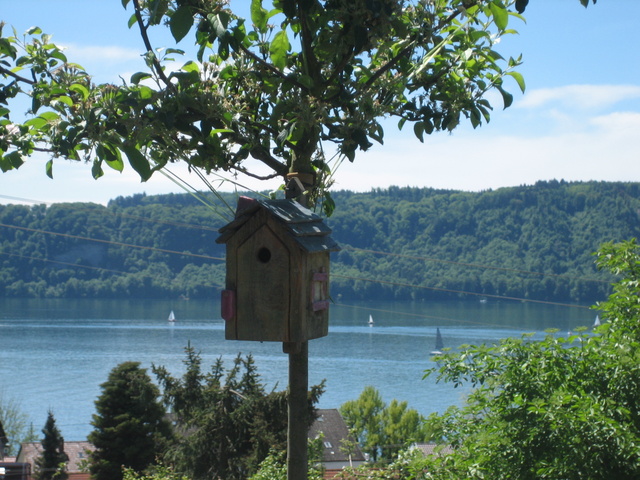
[579, 119]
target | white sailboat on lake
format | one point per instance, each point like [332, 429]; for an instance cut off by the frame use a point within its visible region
[172, 317]
[439, 344]
[370, 320]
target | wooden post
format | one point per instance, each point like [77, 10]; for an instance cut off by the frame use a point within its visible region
[298, 421]
[297, 461]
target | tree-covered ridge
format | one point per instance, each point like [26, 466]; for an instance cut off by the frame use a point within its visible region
[531, 242]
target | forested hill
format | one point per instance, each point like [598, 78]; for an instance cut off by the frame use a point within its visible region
[533, 242]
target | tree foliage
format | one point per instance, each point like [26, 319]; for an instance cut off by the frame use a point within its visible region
[129, 425]
[274, 87]
[531, 242]
[15, 423]
[563, 407]
[225, 421]
[382, 430]
[51, 463]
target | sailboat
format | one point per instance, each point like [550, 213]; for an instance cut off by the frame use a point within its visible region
[370, 320]
[439, 344]
[597, 322]
[172, 317]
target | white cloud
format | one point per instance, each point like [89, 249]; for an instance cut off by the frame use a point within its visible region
[581, 97]
[101, 53]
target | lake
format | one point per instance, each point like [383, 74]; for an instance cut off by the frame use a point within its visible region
[54, 354]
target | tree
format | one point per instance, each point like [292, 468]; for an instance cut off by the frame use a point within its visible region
[226, 423]
[275, 87]
[562, 407]
[382, 430]
[52, 462]
[15, 423]
[129, 425]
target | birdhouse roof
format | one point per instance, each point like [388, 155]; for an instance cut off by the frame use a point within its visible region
[306, 227]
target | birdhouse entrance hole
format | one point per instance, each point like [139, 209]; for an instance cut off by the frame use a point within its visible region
[264, 255]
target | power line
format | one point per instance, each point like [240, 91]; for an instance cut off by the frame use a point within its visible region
[449, 290]
[111, 242]
[474, 265]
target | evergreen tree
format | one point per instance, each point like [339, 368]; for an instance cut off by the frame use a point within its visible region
[226, 423]
[51, 464]
[129, 427]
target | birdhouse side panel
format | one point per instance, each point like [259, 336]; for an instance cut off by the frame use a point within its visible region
[310, 294]
[262, 287]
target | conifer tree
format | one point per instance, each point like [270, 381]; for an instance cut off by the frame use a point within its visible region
[129, 425]
[51, 464]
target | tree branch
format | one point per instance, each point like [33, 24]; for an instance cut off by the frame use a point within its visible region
[147, 45]
[9, 73]
[272, 68]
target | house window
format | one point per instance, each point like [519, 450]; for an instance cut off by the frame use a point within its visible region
[327, 444]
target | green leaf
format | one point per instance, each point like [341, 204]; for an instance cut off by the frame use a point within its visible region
[145, 92]
[50, 116]
[519, 79]
[500, 15]
[259, 15]
[63, 99]
[418, 129]
[138, 161]
[13, 160]
[279, 48]
[181, 22]
[37, 123]
[34, 31]
[111, 155]
[80, 89]
[49, 169]
[506, 97]
[132, 20]
[96, 169]
[137, 77]
[191, 66]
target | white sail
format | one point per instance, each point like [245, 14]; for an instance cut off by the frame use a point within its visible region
[370, 320]
[172, 317]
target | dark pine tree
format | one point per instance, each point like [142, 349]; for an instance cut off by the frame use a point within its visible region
[129, 427]
[52, 462]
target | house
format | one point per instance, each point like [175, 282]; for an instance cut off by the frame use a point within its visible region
[76, 451]
[337, 441]
[430, 449]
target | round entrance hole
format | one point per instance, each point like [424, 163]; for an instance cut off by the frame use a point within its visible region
[264, 255]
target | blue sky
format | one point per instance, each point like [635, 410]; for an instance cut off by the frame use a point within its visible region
[578, 120]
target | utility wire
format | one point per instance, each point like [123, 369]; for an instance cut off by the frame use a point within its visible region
[474, 265]
[111, 242]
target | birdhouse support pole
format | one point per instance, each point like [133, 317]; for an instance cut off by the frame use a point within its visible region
[298, 424]
[297, 462]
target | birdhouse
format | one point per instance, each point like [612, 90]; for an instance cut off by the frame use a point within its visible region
[277, 280]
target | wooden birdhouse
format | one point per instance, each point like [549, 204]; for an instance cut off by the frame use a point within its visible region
[277, 281]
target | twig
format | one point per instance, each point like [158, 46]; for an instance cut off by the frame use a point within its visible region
[16, 76]
[147, 44]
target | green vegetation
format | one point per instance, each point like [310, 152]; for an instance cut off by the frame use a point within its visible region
[383, 430]
[562, 407]
[15, 423]
[225, 422]
[533, 242]
[278, 87]
[52, 462]
[129, 425]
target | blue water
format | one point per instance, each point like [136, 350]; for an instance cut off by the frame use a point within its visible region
[54, 354]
